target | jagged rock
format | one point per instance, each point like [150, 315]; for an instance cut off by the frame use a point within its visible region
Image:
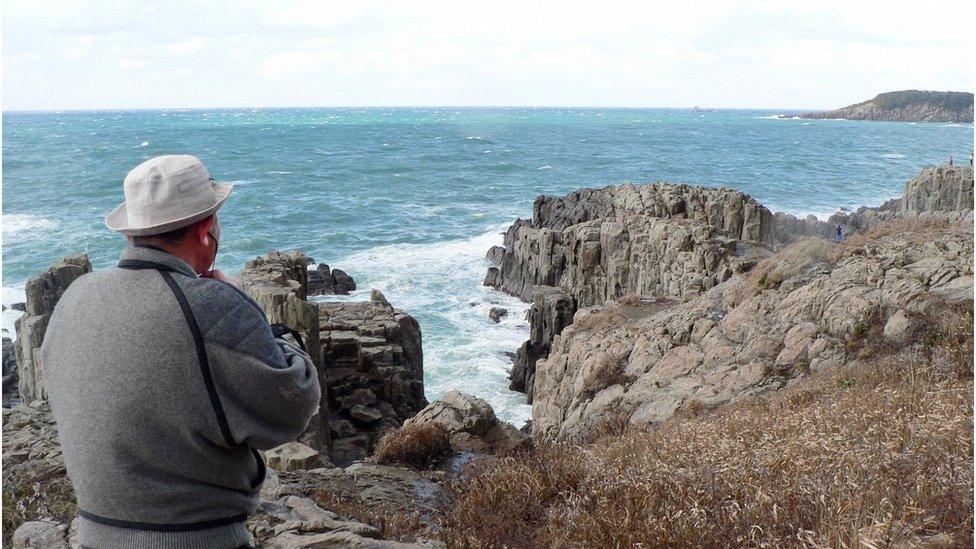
[43, 292]
[326, 281]
[40, 535]
[625, 363]
[377, 296]
[941, 188]
[294, 455]
[496, 314]
[675, 241]
[471, 423]
[10, 395]
[19, 306]
[552, 310]
[374, 366]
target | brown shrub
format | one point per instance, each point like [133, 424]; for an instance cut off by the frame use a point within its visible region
[878, 454]
[414, 445]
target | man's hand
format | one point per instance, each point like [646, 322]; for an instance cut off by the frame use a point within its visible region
[217, 274]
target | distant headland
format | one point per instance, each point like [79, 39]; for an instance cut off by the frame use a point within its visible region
[907, 106]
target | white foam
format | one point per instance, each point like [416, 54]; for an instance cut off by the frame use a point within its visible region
[279, 173]
[142, 145]
[10, 296]
[16, 226]
[546, 167]
[892, 155]
[440, 284]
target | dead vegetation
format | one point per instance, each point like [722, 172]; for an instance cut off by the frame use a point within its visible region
[418, 446]
[33, 495]
[598, 318]
[877, 453]
[792, 260]
[919, 230]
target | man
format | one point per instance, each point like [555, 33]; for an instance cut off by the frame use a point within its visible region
[165, 379]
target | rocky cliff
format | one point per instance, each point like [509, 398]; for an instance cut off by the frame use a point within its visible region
[658, 248]
[368, 354]
[907, 106]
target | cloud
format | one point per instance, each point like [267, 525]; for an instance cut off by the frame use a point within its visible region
[735, 53]
[131, 64]
[186, 47]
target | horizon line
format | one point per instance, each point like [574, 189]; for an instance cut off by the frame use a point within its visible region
[578, 107]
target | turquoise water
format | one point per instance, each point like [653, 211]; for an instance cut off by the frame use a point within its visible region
[409, 200]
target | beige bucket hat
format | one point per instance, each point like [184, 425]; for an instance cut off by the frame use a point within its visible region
[166, 193]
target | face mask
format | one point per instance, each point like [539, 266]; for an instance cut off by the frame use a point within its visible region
[214, 233]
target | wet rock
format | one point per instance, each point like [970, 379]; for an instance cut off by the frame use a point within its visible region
[496, 314]
[325, 281]
[552, 310]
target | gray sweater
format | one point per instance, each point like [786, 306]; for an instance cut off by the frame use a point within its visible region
[164, 385]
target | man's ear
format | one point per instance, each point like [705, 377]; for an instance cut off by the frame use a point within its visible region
[202, 228]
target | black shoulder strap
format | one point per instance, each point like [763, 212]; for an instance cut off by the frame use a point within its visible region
[201, 349]
[138, 264]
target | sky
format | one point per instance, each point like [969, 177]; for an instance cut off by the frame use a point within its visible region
[99, 54]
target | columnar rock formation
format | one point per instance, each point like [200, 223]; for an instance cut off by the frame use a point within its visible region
[373, 365]
[650, 243]
[43, 292]
[368, 353]
[326, 281]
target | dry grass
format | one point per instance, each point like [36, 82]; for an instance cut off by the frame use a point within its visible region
[790, 261]
[392, 523]
[920, 231]
[876, 454]
[418, 446]
[598, 318]
[28, 496]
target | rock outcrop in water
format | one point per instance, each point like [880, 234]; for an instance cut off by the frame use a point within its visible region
[374, 370]
[679, 260]
[907, 106]
[368, 354]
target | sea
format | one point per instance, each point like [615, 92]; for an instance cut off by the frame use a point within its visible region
[409, 200]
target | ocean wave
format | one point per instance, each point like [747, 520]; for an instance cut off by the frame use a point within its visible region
[546, 167]
[440, 284]
[892, 155]
[18, 225]
[11, 295]
[278, 173]
[142, 145]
